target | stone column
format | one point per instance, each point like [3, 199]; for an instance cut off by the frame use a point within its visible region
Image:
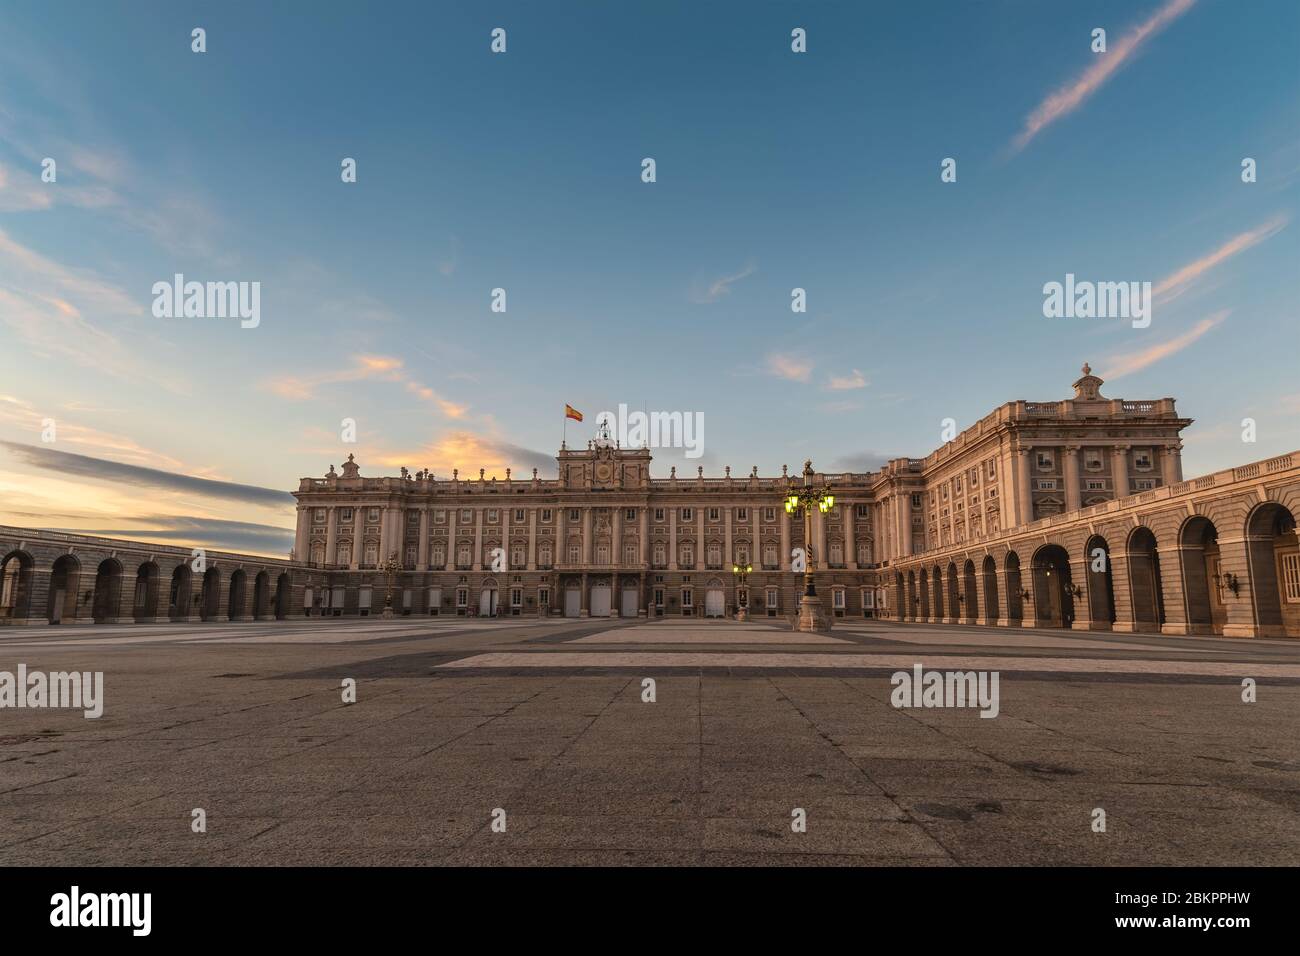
[422, 552]
[1125, 621]
[302, 535]
[728, 554]
[385, 534]
[532, 539]
[331, 534]
[1234, 559]
[1172, 594]
[1082, 607]
[701, 553]
[904, 525]
[850, 538]
[1024, 494]
[643, 545]
[672, 539]
[477, 558]
[1004, 596]
[1171, 464]
[586, 551]
[615, 550]
[1119, 470]
[1072, 496]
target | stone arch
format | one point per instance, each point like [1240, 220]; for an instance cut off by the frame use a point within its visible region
[970, 592]
[1053, 587]
[911, 595]
[65, 582]
[1101, 584]
[1198, 548]
[237, 597]
[1144, 580]
[262, 595]
[1015, 595]
[144, 607]
[990, 574]
[108, 591]
[17, 576]
[178, 593]
[1270, 545]
[210, 605]
[283, 592]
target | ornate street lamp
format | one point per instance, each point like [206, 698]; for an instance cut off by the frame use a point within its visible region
[741, 571]
[390, 571]
[812, 616]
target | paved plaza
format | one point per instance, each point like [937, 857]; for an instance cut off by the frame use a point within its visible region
[545, 720]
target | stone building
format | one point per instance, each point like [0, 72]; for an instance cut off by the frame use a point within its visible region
[1041, 514]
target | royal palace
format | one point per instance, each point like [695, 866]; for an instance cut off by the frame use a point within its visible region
[1070, 513]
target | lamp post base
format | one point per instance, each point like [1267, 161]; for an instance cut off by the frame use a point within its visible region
[742, 614]
[812, 615]
[388, 614]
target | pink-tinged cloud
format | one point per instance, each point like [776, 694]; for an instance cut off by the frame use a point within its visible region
[364, 368]
[789, 368]
[1070, 97]
[1175, 284]
[1121, 365]
[845, 383]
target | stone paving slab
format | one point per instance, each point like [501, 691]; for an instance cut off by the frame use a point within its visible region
[255, 733]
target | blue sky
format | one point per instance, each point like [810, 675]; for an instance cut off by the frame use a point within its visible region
[775, 170]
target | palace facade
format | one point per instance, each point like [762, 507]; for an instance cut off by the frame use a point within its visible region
[604, 538]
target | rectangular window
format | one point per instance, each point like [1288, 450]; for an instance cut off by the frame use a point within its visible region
[769, 514]
[574, 515]
[687, 514]
[440, 517]
[991, 468]
[373, 514]
[837, 599]
[1045, 461]
[1096, 486]
[492, 516]
[659, 514]
[546, 516]
[1144, 484]
[713, 514]
[1142, 460]
[1291, 577]
[519, 516]
[688, 597]
[345, 515]
[466, 516]
[742, 514]
[543, 597]
[629, 514]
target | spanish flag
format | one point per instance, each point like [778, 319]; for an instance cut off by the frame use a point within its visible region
[571, 412]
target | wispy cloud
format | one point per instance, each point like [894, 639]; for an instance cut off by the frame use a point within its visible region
[364, 367]
[1127, 364]
[721, 286]
[68, 464]
[1175, 284]
[217, 534]
[844, 383]
[1071, 96]
[789, 367]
